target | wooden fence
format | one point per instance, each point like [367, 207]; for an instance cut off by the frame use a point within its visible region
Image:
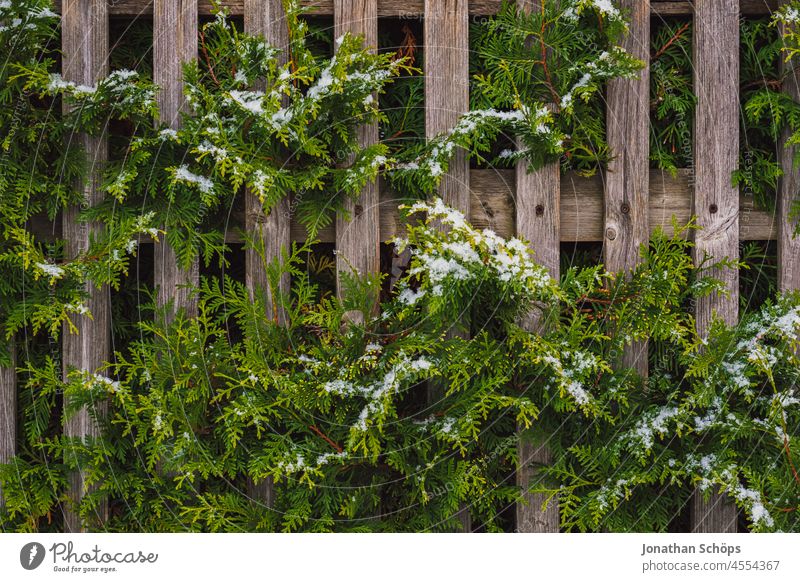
[620, 207]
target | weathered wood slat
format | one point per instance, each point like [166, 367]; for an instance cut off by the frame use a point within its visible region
[716, 201]
[84, 43]
[8, 412]
[581, 208]
[788, 243]
[358, 238]
[174, 43]
[446, 99]
[492, 206]
[266, 18]
[628, 177]
[749, 7]
[537, 220]
[537, 205]
[415, 8]
[447, 87]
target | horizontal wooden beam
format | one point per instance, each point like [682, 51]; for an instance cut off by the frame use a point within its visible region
[493, 195]
[746, 7]
[582, 210]
[415, 8]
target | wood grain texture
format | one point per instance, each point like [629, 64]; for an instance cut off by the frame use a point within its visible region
[788, 189]
[538, 213]
[272, 230]
[446, 99]
[537, 204]
[447, 87]
[358, 237]
[8, 412]
[415, 8]
[84, 42]
[749, 7]
[268, 19]
[174, 43]
[537, 220]
[628, 177]
[716, 201]
[715, 515]
[492, 206]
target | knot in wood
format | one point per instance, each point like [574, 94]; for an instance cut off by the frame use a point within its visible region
[539, 210]
[611, 234]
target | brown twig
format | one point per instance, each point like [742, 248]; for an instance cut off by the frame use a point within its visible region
[789, 458]
[327, 439]
[408, 46]
[543, 48]
[671, 41]
[774, 83]
[207, 58]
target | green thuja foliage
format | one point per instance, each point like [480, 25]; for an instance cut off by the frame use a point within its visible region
[538, 78]
[404, 103]
[331, 409]
[361, 415]
[43, 287]
[672, 100]
[767, 111]
[295, 137]
[719, 413]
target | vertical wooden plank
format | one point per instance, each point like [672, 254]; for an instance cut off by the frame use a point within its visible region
[538, 205]
[8, 412]
[85, 46]
[538, 201]
[358, 238]
[268, 19]
[716, 201]
[627, 181]
[789, 186]
[447, 87]
[447, 98]
[174, 43]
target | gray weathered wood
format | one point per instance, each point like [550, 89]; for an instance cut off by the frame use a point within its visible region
[673, 8]
[537, 218]
[84, 43]
[492, 206]
[358, 238]
[8, 412]
[174, 43]
[537, 202]
[716, 201]
[268, 19]
[538, 213]
[447, 87]
[788, 243]
[271, 230]
[446, 99]
[414, 8]
[628, 177]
